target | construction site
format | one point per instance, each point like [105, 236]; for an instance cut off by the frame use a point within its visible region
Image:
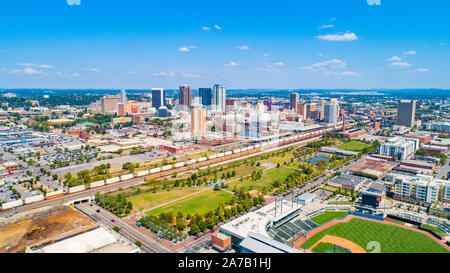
[35, 229]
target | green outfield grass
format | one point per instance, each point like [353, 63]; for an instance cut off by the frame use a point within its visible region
[354, 146]
[149, 200]
[200, 203]
[323, 247]
[392, 239]
[327, 216]
[435, 230]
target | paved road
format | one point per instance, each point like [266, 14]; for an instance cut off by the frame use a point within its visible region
[105, 217]
[443, 171]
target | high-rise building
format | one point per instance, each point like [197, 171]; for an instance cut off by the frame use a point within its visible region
[401, 148]
[123, 96]
[331, 112]
[109, 103]
[158, 97]
[185, 97]
[406, 113]
[295, 97]
[198, 120]
[205, 96]
[219, 97]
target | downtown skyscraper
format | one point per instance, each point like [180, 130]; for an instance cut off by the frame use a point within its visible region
[219, 97]
[406, 113]
[158, 97]
[185, 95]
[205, 96]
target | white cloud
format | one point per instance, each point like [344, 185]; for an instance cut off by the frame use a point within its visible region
[326, 26]
[35, 65]
[338, 37]
[332, 67]
[422, 69]
[186, 48]
[373, 2]
[411, 52]
[279, 64]
[266, 54]
[74, 75]
[92, 69]
[334, 63]
[206, 28]
[394, 58]
[73, 2]
[343, 73]
[320, 55]
[244, 47]
[69, 76]
[217, 27]
[231, 64]
[188, 75]
[131, 72]
[27, 70]
[400, 64]
[333, 19]
[165, 74]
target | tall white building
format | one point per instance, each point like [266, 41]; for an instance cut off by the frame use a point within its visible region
[219, 97]
[399, 147]
[123, 96]
[331, 112]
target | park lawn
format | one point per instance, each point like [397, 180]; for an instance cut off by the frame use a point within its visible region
[392, 239]
[151, 199]
[327, 216]
[266, 180]
[200, 203]
[354, 146]
[279, 159]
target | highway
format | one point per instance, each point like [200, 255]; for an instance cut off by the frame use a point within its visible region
[105, 217]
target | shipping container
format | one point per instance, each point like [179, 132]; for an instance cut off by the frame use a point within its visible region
[12, 204]
[126, 177]
[142, 173]
[53, 194]
[77, 189]
[112, 180]
[155, 170]
[34, 198]
[97, 184]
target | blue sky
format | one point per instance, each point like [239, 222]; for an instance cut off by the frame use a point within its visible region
[240, 43]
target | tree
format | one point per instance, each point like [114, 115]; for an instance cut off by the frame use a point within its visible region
[138, 243]
[195, 229]
[216, 187]
[116, 228]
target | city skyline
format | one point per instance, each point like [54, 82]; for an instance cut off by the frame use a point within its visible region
[320, 45]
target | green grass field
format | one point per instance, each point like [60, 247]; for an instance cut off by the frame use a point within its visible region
[266, 180]
[327, 216]
[200, 203]
[392, 239]
[149, 200]
[354, 146]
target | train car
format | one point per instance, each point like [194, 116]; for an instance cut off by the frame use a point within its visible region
[190, 162]
[97, 184]
[244, 149]
[179, 164]
[220, 154]
[155, 170]
[236, 151]
[112, 180]
[251, 147]
[34, 198]
[12, 204]
[50, 195]
[142, 173]
[167, 167]
[126, 177]
[201, 159]
[212, 157]
[77, 188]
[228, 153]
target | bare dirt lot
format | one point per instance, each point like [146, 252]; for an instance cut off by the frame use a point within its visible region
[42, 227]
